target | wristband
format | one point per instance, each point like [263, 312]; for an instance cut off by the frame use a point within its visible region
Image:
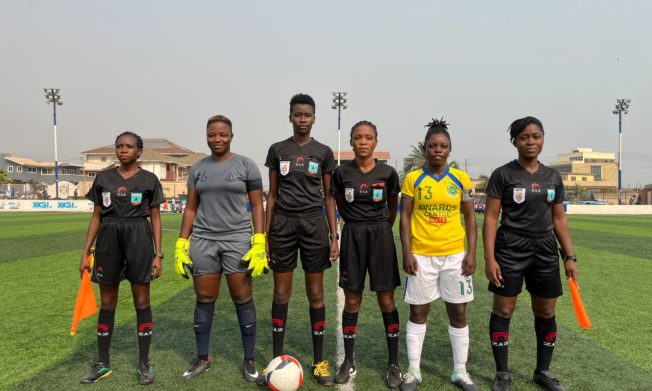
[570, 258]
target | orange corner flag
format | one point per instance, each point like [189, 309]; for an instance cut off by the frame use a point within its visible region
[85, 304]
[578, 306]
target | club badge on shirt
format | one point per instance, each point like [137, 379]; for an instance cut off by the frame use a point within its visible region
[349, 194]
[106, 198]
[519, 195]
[313, 167]
[136, 198]
[285, 167]
[551, 195]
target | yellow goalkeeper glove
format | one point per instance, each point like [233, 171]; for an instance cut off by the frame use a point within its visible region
[182, 262]
[256, 256]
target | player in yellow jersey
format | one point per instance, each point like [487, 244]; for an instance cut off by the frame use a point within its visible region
[433, 199]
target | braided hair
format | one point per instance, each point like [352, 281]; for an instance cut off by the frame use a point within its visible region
[139, 141]
[367, 123]
[436, 126]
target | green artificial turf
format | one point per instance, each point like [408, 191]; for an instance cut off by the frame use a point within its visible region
[39, 255]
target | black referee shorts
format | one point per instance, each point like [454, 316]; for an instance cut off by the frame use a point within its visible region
[124, 249]
[534, 259]
[368, 248]
[308, 234]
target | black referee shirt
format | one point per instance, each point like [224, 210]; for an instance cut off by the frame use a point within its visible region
[365, 195]
[126, 198]
[300, 169]
[526, 199]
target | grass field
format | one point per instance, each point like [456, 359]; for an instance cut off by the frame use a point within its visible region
[39, 256]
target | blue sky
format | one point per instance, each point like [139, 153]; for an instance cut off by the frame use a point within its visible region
[161, 68]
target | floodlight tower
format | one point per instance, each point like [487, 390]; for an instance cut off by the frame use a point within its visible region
[622, 107]
[53, 95]
[339, 103]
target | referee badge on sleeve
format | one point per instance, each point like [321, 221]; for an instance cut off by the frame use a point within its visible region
[519, 195]
[349, 194]
[106, 198]
[285, 167]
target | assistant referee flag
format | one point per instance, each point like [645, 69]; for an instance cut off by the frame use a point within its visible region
[85, 304]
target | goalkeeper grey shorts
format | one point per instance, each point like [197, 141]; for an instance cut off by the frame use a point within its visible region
[213, 256]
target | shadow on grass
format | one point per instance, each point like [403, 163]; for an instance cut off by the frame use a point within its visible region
[618, 244]
[16, 249]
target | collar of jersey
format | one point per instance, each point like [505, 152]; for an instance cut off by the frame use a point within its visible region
[425, 174]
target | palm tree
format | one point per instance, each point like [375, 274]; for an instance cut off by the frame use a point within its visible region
[414, 160]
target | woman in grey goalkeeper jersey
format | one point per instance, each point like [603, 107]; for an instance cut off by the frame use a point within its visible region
[216, 215]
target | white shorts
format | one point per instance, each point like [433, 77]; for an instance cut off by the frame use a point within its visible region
[439, 277]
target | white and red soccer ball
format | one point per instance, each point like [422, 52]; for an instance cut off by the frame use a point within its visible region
[284, 373]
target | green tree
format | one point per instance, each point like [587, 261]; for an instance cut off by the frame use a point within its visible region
[482, 185]
[417, 158]
[4, 178]
[414, 160]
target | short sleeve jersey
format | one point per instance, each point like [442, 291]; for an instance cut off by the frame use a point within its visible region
[126, 198]
[436, 223]
[300, 170]
[222, 188]
[365, 194]
[526, 199]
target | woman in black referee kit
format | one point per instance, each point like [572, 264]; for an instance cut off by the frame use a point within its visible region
[524, 247]
[127, 247]
[366, 192]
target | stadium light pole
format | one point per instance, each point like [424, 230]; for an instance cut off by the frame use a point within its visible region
[339, 103]
[622, 107]
[53, 95]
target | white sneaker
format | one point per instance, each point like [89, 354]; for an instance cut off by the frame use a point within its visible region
[411, 379]
[461, 378]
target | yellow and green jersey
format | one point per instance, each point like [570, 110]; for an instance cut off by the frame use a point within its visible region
[436, 224]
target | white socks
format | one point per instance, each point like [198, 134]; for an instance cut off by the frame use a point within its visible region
[459, 343]
[414, 336]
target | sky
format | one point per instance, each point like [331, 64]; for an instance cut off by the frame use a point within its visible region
[162, 68]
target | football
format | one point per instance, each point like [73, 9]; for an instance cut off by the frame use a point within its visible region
[284, 373]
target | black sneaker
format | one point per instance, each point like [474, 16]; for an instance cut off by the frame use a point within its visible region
[502, 381]
[145, 374]
[322, 373]
[393, 378]
[99, 371]
[250, 370]
[345, 373]
[197, 368]
[547, 380]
